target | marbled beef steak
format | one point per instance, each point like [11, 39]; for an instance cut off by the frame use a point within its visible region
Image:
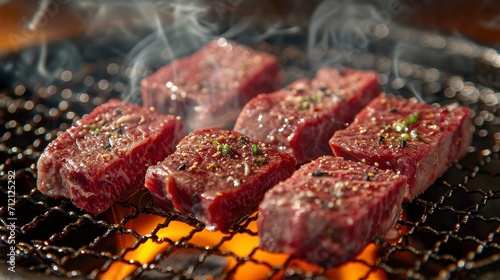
[219, 176]
[412, 138]
[330, 209]
[301, 118]
[104, 156]
[209, 87]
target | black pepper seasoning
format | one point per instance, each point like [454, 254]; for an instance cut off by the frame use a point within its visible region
[107, 146]
[318, 173]
[380, 139]
[403, 143]
[242, 140]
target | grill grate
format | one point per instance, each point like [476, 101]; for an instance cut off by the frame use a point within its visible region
[450, 231]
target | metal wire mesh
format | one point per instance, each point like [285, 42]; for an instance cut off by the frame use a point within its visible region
[450, 231]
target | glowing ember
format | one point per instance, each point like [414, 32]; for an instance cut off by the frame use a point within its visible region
[162, 237]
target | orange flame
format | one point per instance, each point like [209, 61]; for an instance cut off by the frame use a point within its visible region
[239, 244]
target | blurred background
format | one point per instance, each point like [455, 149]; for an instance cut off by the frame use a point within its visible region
[27, 23]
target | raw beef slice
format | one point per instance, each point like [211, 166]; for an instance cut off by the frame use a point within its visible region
[219, 176]
[209, 87]
[104, 156]
[330, 209]
[414, 139]
[301, 118]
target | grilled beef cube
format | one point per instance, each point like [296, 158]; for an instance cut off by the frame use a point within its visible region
[415, 139]
[209, 87]
[330, 209]
[219, 176]
[301, 118]
[104, 156]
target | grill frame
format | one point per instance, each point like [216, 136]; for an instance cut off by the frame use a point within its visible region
[35, 111]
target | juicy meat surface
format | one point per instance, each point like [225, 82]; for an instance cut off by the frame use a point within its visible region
[218, 176]
[209, 87]
[330, 209]
[104, 156]
[301, 118]
[415, 139]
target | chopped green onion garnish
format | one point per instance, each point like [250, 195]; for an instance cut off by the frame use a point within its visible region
[90, 126]
[225, 149]
[260, 160]
[96, 131]
[412, 119]
[215, 143]
[304, 105]
[314, 98]
[213, 165]
[405, 136]
[255, 149]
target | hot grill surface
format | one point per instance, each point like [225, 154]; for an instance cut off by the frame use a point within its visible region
[450, 231]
